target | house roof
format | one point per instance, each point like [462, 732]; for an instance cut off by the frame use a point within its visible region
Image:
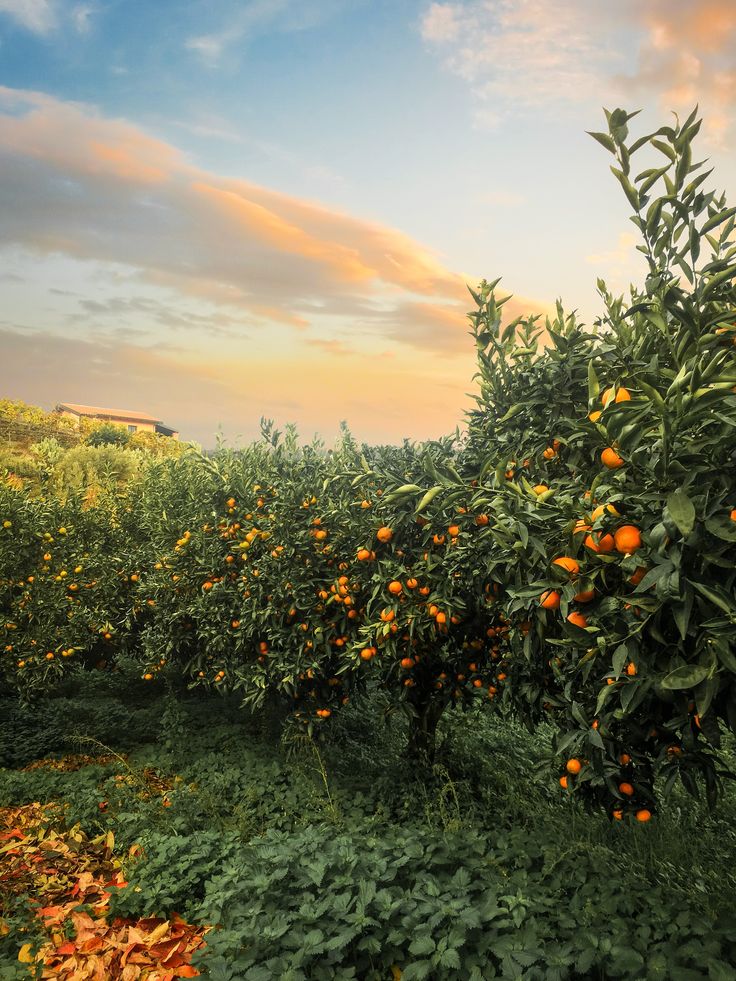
[96, 410]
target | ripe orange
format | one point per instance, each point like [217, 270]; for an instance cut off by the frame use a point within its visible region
[550, 599]
[540, 488]
[626, 789]
[367, 653]
[453, 531]
[733, 515]
[438, 539]
[599, 543]
[477, 683]
[624, 759]
[387, 615]
[573, 766]
[363, 555]
[643, 815]
[577, 619]
[611, 459]
[365, 504]
[631, 669]
[320, 535]
[407, 663]
[207, 586]
[622, 395]
[595, 416]
[627, 539]
[384, 534]
[602, 509]
[411, 583]
[563, 782]
[482, 519]
[618, 814]
[441, 618]
[568, 564]
[395, 587]
[549, 453]
[585, 596]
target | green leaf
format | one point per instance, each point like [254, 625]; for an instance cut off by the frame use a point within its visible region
[682, 511]
[686, 676]
[604, 139]
[429, 497]
[593, 383]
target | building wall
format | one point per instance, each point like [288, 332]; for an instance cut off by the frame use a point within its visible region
[145, 427]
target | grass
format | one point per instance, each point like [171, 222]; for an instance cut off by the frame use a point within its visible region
[218, 801]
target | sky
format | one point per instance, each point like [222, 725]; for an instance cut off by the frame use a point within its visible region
[215, 211]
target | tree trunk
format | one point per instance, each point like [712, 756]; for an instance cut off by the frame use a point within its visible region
[423, 732]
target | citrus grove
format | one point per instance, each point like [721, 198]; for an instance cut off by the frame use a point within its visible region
[568, 559]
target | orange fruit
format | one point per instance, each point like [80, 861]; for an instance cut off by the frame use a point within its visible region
[387, 615]
[611, 459]
[365, 504]
[407, 663]
[585, 596]
[568, 564]
[580, 527]
[367, 653]
[624, 759]
[627, 539]
[438, 539]
[482, 519]
[577, 619]
[563, 782]
[638, 575]
[550, 599]
[643, 815]
[733, 515]
[207, 586]
[626, 789]
[453, 531]
[384, 534]
[602, 509]
[411, 583]
[441, 618]
[599, 543]
[540, 488]
[595, 416]
[631, 669]
[395, 587]
[573, 766]
[622, 395]
[549, 453]
[618, 814]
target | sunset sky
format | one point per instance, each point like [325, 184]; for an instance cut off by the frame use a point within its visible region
[217, 210]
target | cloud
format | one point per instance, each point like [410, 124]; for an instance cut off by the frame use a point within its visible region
[518, 55]
[383, 402]
[37, 16]
[81, 15]
[243, 22]
[687, 54]
[98, 189]
[441, 23]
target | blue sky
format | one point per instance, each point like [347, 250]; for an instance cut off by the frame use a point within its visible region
[436, 142]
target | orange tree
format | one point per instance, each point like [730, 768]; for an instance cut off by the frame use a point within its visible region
[308, 575]
[606, 459]
[67, 588]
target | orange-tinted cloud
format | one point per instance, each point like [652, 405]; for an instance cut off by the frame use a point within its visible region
[521, 54]
[101, 189]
